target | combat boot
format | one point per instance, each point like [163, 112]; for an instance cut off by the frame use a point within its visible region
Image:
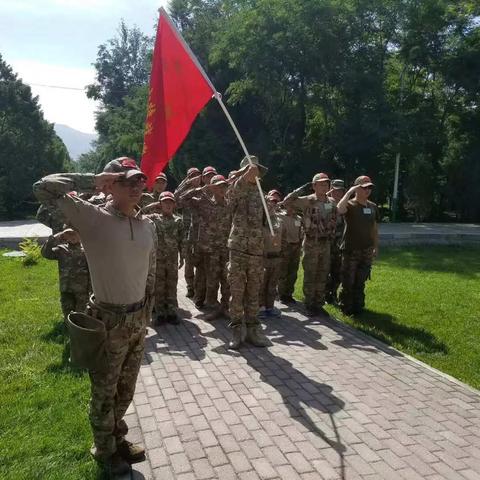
[131, 452]
[113, 465]
[236, 340]
[257, 338]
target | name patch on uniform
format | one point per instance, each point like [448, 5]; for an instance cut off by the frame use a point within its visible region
[367, 211]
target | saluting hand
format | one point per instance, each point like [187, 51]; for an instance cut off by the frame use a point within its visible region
[105, 179]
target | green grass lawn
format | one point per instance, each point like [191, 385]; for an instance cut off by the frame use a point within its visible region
[425, 301]
[44, 430]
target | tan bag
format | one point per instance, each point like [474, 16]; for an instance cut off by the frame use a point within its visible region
[87, 341]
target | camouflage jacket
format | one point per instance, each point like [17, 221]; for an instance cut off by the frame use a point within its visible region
[72, 265]
[246, 234]
[51, 217]
[273, 244]
[170, 236]
[214, 219]
[319, 216]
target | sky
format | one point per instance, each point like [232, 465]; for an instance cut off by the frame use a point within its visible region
[55, 42]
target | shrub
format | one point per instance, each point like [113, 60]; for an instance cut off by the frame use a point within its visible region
[32, 251]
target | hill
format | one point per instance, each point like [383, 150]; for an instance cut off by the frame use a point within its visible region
[76, 142]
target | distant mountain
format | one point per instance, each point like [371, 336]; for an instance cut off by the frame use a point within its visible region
[75, 141]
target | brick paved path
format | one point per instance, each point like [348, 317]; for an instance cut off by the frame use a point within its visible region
[323, 403]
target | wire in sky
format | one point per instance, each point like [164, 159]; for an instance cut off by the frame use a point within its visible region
[61, 87]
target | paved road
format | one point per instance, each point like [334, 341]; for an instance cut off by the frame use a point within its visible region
[325, 402]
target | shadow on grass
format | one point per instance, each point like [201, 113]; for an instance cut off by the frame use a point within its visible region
[59, 335]
[464, 261]
[385, 327]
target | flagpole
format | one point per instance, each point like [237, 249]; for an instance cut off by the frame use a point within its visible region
[218, 97]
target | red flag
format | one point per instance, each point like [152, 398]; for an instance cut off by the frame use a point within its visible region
[179, 89]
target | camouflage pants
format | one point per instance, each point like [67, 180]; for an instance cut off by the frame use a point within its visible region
[316, 264]
[335, 276]
[271, 275]
[289, 268]
[217, 276]
[189, 266]
[112, 390]
[73, 302]
[356, 266]
[245, 276]
[200, 282]
[166, 279]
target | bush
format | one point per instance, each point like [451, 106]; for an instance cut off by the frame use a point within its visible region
[32, 252]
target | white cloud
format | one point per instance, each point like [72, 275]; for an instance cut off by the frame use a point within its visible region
[69, 107]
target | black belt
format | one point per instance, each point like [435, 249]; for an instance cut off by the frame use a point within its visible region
[121, 308]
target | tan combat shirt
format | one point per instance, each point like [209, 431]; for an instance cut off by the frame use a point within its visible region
[120, 250]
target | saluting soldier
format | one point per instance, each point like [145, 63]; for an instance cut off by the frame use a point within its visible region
[359, 244]
[159, 186]
[120, 247]
[320, 217]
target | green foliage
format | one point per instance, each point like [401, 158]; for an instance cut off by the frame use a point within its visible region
[32, 251]
[323, 85]
[29, 147]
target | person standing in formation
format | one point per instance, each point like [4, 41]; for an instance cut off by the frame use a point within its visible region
[320, 217]
[291, 252]
[120, 247]
[334, 278]
[359, 244]
[170, 240]
[159, 187]
[246, 246]
[73, 274]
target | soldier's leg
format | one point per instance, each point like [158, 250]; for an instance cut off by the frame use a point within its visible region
[104, 388]
[200, 280]
[323, 268]
[335, 271]
[310, 265]
[160, 290]
[365, 258]
[254, 282]
[81, 301]
[171, 286]
[262, 292]
[273, 281]
[224, 285]
[292, 270]
[349, 269]
[128, 374]
[283, 280]
[67, 301]
[237, 279]
[189, 271]
[212, 278]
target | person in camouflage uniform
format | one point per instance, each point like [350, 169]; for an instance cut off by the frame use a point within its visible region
[334, 277]
[214, 226]
[246, 244]
[120, 246]
[147, 199]
[51, 217]
[74, 278]
[359, 243]
[320, 218]
[291, 252]
[170, 238]
[190, 224]
[272, 258]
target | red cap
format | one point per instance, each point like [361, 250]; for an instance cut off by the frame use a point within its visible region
[320, 177]
[218, 180]
[209, 171]
[274, 192]
[162, 176]
[166, 196]
[192, 170]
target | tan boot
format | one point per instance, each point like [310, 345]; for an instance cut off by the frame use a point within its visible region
[256, 337]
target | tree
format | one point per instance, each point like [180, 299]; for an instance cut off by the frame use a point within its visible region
[29, 147]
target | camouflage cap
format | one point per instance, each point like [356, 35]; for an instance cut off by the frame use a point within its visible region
[244, 163]
[218, 180]
[364, 181]
[124, 165]
[320, 177]
[338, 184]
[167, 196]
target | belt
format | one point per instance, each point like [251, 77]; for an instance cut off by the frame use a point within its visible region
[121, 308]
